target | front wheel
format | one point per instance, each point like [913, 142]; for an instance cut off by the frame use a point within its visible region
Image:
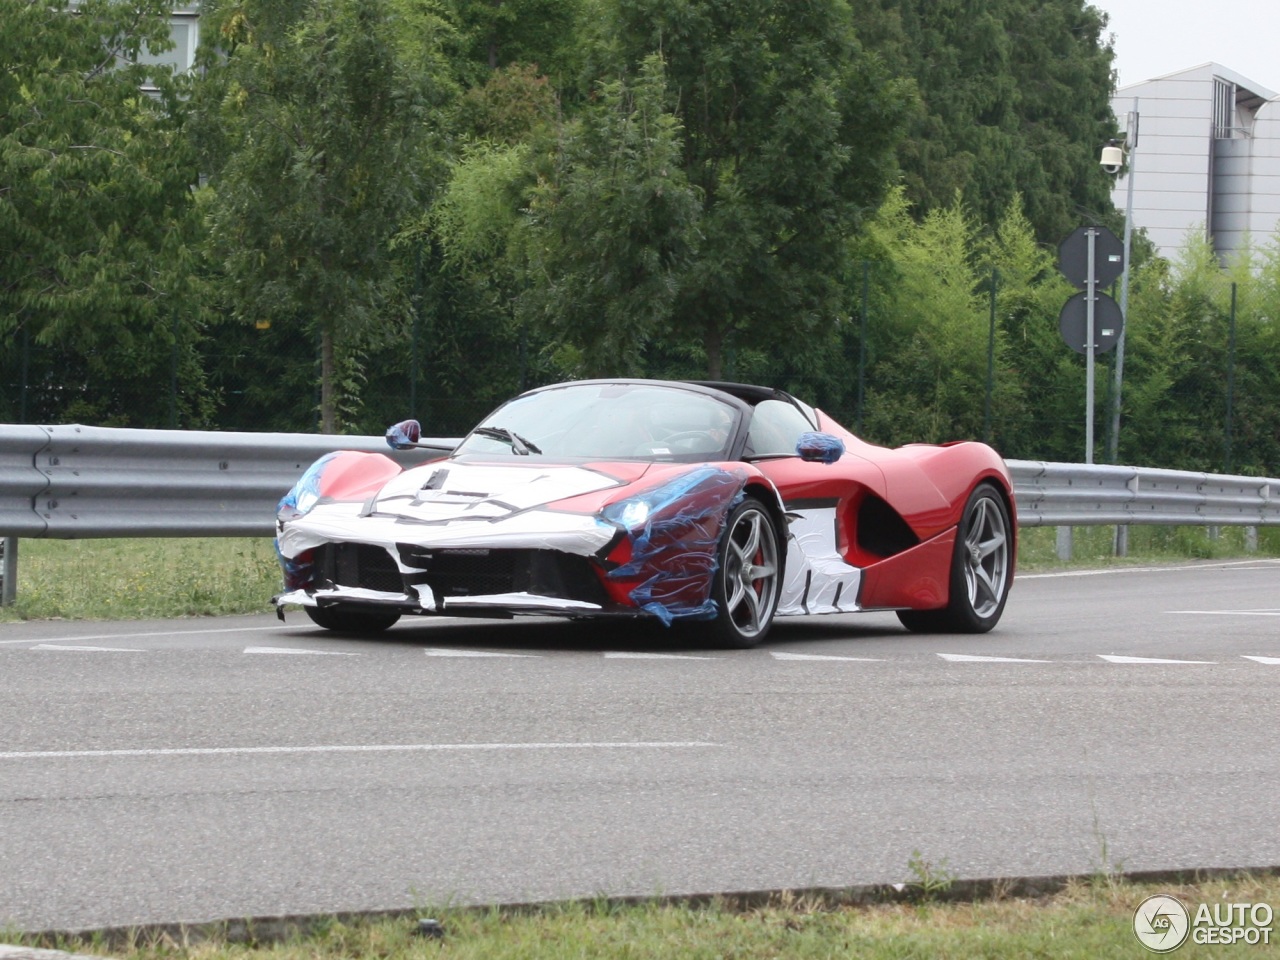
[981, 570]
[346, 619]
[745, 584]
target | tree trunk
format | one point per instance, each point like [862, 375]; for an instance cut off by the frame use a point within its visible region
[328, 406]
[713, 343]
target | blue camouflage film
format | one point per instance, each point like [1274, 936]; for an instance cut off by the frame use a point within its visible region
[820, 447]
[676, 548]
[403, 435]
[298, 571]
[309, 482]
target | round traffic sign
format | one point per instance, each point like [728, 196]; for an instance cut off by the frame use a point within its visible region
[1073, 322]
[1108, 256]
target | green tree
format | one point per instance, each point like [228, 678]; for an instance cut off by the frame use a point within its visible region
[316, 122]
[502, 33]
[610, 234]
[1016, 101]
[98, 232]
[930, 381]
[786, 131]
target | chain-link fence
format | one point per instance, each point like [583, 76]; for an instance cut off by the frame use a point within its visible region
[917, 356]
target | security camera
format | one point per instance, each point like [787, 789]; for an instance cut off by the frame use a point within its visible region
[1112, 158]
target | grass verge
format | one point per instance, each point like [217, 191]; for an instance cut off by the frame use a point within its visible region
[139, 579]
[162, 577]
[1083, 920]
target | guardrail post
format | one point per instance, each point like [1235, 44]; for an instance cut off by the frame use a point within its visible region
[1250, 539]
[1122, 541]
[1064, 543]
[8, 571]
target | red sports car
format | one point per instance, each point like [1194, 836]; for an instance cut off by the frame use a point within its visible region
[719, 503]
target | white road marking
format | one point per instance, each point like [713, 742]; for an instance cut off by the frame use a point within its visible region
[968, 658]
[368, 748]
[1238, 564]
[55, 646]
[1264, 612]
[1263, 659]
[1110, 658]
[446, 652]
[158, 633]
[819, 656]
[618, 655]
[296, 652]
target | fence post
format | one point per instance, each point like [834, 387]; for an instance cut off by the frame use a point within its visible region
[991, 359]
[173, 374]
[8, 570]
[26, 364]
[862, 346]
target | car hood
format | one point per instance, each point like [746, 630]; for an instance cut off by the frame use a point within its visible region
[489, 491]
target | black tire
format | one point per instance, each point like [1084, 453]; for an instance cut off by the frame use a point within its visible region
[347, 619]
[981, 570]
[748, 579]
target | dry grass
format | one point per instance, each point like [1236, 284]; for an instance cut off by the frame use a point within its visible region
[1085, 920]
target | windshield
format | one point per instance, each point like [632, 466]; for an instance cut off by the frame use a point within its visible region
[609, 421]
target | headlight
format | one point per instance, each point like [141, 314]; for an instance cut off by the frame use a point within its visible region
[686, 495]
[305, 493]
[633, 513]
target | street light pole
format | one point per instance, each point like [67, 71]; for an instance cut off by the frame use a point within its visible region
[1131, 143]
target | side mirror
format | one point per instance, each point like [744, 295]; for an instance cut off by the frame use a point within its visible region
[404, 435]
[819, 448]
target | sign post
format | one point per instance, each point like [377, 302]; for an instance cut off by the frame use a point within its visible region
[1090, 322]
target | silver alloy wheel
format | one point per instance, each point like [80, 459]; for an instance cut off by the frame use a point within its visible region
[751, 573]
[986, 557]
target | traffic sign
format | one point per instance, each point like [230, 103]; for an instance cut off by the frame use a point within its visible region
[1073, 322]
[1108, 257]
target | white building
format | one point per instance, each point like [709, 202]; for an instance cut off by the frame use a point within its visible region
[1207, 158]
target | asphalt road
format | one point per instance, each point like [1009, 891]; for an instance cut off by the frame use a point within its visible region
[192, 770]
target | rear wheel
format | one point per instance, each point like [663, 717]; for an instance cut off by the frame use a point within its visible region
[347, 619]
[981, 570]
[745, 585]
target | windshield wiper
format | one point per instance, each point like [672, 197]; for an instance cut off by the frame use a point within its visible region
[519, 444]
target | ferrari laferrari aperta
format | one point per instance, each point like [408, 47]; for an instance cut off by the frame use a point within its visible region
[721, 504]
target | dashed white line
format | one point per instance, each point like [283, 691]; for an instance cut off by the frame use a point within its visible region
[61, 646]
[446, 652]
[621, 655]
[157, 633]
[1266, 612]
[296, 651]
[1111, 658]
[820, 656]
[366, 748]
[1263, 659]
[968, 658]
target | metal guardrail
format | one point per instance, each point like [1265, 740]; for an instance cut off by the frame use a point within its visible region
[1074, 494]
[71, 482]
